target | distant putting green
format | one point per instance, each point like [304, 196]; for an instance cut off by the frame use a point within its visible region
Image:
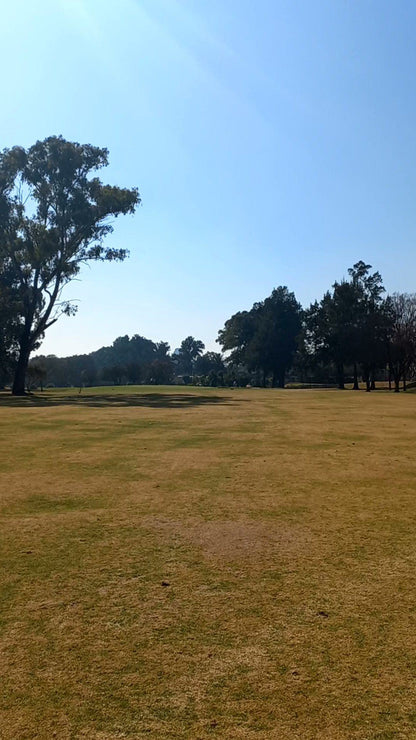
[203, 563]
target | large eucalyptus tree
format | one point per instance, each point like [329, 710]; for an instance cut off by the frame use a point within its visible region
[54, 217]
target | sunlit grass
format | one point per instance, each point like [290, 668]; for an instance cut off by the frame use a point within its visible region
[197, 563]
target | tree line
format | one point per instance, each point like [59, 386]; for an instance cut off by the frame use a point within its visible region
[131, 360]
[354, 333]
[55, 214]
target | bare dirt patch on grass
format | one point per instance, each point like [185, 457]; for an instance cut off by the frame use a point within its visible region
[237, 541]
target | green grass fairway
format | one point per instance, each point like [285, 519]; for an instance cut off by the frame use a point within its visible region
[202, 563]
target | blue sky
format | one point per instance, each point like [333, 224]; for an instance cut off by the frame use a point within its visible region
[273, 143]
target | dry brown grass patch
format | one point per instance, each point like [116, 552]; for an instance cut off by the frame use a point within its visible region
[282, 527]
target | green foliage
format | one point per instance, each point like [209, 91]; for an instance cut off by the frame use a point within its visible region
[265, 338]
[9, 321]
[209, 362]
[36, 374]
[54, 218]
[187, 355]
[401, 313]
[161, 371]
[128, 360]
[348, 326]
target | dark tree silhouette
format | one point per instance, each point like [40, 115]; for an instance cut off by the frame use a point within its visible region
[189, 350]
[332, 328]
[401, 310]
[265, 338]
[348, 326]
[53, 218]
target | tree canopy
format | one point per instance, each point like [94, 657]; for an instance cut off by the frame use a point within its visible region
[347, 327]
[265, 338]
[54, 217]
[188, 353]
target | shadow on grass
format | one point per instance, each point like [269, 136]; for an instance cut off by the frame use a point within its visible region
[147, 400]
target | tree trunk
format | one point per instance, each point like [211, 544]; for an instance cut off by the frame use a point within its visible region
[18, 388]
[367, 378]
[356, 387]
[340, 374]
[404, 382]
[389, 378]
[397, 382]
[281, 379]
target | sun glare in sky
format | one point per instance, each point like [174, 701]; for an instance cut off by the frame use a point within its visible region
[272, 144]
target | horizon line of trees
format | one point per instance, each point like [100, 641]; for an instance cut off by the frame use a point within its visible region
[55, 216]
[133, 361]
[353, 333]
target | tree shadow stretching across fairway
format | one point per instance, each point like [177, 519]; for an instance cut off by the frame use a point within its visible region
[147, 400]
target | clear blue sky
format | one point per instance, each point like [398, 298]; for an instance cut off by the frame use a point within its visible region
[273, 143]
